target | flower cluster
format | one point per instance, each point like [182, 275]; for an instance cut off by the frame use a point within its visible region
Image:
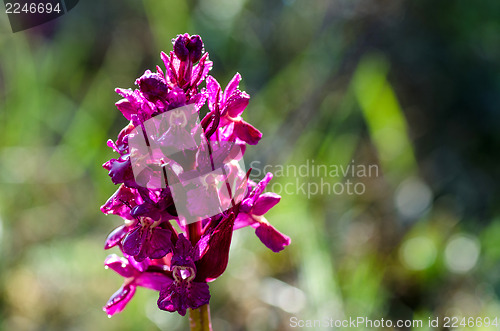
[160, 251]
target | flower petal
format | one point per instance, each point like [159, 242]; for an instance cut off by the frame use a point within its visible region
[231, 86]
[126, 108]
[198, 295]
[153, 280]
[265, 202]
[116, 236]
[121, 202]
[120, 265]
[119, 299]
[120, 171]
[213, 88]
[183, 253]
[243, 220]
[173, 298]
[134, 241]
[272, 238]
[237, 104]
[213, 263]
[159, 244]
[179, 296]
[247, 132]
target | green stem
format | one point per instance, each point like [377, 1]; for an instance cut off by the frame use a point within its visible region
[199, 319]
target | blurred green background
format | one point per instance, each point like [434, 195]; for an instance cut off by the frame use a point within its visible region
[411, 87]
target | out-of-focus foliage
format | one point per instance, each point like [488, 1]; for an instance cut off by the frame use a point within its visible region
[411, 87]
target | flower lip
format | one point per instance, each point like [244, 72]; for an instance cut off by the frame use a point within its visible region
[183, 273]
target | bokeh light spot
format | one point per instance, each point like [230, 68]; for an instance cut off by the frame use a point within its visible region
[462, 253]
[418, 253]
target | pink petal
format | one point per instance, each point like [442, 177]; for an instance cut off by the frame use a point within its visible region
[153, 280]
[243, 220]
[119, 299]
[265, 202]
[231, 86]
[120, 265]
[214, 262]
[126, 108]
[247, 132]
[159, 244]
[237, 104]
[272, 238]
[212, 89]
[116, 236]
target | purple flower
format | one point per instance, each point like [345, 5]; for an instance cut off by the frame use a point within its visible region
[180, 264]
[184, 292]
[135, 274]
[252, 212]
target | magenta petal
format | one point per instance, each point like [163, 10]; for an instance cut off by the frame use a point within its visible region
[201, 70]
[237, 104]
[132, 96]
[120, 202]
[134, 241]
[183, 253]
[213, 88]
[272, 238]
[231, 86]
[214, 262]
[261, 186]
[159, 244]
[120, 265]
[243, 220]
[119, 299]
[120, 171]
[265, 202]
[201, 247]
[126, 108]
[153, 280]
[173, 298]
[198, 295]
[179, 296]
[116, 236]
[247, 132]
[140, 266]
